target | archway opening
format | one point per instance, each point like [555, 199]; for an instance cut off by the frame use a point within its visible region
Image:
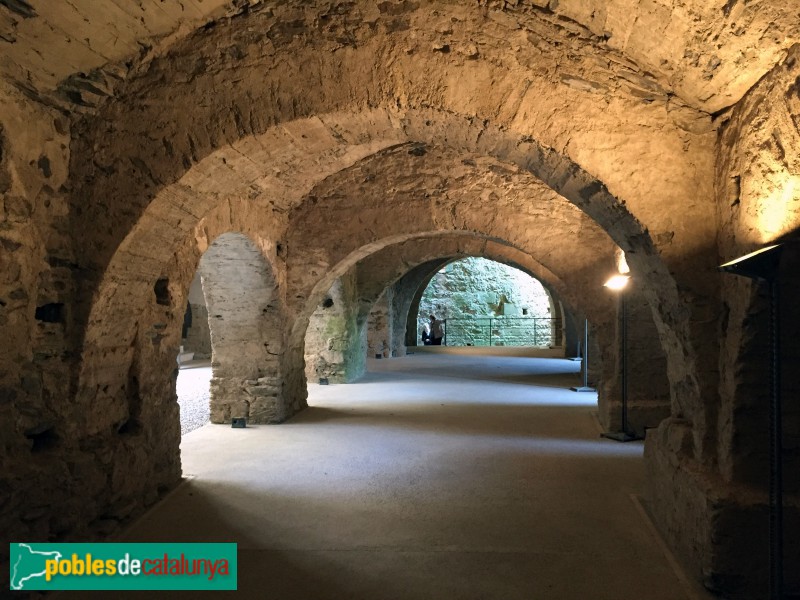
[194, 361]
[363, 315]
[482, 302]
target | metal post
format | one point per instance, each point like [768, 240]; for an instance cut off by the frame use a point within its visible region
[764, 265]
[625, 435]
[624, 358]
[585, 361]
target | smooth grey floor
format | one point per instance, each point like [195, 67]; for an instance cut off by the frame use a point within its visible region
[437, 476]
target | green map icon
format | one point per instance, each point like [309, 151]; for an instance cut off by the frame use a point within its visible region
[27, 565]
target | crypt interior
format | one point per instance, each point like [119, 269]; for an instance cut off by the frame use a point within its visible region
[315, 164]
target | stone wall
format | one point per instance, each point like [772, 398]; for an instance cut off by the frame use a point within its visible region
[41, 463]
[758, 178]
[468, 293]
[758, 195]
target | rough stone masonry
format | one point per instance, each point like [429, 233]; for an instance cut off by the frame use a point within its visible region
[303, 152]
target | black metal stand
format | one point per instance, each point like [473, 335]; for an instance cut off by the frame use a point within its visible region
[764, 265]
[585, 361]
[624, 435]
[775, 452]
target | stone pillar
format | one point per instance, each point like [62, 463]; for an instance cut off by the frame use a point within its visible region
[246, 332]
[380, 338]
[335, 345]
[42, 460]
[401, 301]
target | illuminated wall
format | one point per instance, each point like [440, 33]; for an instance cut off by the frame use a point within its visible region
[758, 173]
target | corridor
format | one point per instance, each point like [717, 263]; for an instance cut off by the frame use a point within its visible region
[436, 476]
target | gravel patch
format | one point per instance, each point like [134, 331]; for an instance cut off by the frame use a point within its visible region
[193, 397]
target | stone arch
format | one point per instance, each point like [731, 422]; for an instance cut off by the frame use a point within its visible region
[126, 385]
[425, 282]
[186, 210]
[369, 277]
[460, 196]
[151, 272]
[415, 260]
[454, 200]
[495, 101]
[403, 308]
[647, 408]
[246, 333]
[254, 151]
[339, 141]
[311, 296]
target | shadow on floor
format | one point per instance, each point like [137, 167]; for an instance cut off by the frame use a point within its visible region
[544, 372]
[515, 420]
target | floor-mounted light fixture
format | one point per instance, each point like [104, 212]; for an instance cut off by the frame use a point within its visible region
[762, 265]
[618, 283]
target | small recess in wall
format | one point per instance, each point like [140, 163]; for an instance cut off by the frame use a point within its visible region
[161, 289]
[50, 313]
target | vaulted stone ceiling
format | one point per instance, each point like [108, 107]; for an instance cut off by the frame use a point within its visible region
[136, 133]
[705, 53]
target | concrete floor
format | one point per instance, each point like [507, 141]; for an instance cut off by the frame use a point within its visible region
[435, 477]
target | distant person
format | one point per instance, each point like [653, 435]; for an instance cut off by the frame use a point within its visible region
[426, 334]
[437, 331]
